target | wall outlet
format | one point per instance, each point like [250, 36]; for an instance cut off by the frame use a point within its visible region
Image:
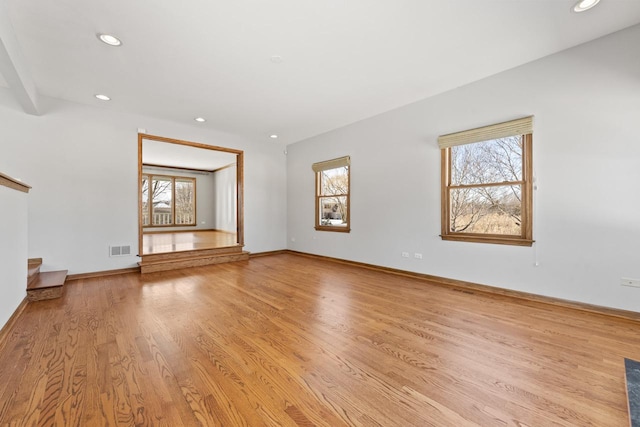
[405, 254]
[417, 255]
[625, 281]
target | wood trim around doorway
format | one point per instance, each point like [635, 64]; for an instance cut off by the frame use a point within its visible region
[239, 180]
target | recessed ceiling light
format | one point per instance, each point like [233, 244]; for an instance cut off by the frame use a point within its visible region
[583, 5]
[109, 39]
[276, 59]
[274, 136]
[200, 119]
[102, 97]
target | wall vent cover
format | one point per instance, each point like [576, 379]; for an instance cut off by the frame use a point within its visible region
[120, 250]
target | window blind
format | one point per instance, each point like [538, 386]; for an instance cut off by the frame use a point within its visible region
[521, 126]
[331, 164]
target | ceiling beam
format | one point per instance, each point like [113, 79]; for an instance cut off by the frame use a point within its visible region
[13, 67]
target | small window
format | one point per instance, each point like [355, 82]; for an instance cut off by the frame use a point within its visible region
[168, 201]
[487, 184]
[332, 195]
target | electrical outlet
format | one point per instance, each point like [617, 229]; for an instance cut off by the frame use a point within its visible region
[625, 281]
[417, 255]
[405, 254]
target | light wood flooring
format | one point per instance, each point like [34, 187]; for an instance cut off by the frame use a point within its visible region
[286, 340]
[154, 243]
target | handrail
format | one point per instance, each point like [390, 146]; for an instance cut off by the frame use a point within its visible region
[16, 184]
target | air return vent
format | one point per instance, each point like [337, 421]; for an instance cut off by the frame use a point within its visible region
[120, 250]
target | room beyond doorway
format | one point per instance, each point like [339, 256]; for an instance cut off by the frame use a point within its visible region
[190, 197]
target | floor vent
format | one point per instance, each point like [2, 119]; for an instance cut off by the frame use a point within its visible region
[120, 250]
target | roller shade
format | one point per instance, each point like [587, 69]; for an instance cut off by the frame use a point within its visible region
[521, 126]
[331, 164]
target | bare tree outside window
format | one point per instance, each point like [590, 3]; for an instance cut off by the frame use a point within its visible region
[486, 187]
[334, 190]
[167, 193]
[185, 201]
[332, 196]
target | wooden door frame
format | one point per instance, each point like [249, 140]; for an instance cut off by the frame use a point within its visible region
[239, 181]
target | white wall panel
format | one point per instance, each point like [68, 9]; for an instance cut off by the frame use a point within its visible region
[586, 103]
[82, 162]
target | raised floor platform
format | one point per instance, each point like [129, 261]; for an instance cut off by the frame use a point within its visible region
[196, 258]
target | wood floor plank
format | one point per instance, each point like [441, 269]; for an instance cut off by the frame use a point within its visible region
[287, 340]
[163, 242]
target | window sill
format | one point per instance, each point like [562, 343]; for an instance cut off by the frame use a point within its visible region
[333, 228]
[497, 240]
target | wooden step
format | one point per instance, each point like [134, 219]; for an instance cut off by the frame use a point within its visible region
[47, 285]
[236, 249]
[33, 269]
[152, 266]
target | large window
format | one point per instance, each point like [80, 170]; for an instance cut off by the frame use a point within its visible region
[168, 200]
[332, 195]
[487, 184]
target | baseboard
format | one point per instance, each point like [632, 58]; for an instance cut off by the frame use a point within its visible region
[93, 275]
[11, 322]
[268, 253]
[453, 283]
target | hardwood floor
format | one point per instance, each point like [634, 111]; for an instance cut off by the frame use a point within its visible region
[154, 243]
[285, 340]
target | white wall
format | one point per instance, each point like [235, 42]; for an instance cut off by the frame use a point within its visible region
[13, 251]
[205, 198]
[586, 103]
[82, 163]
[225, 206]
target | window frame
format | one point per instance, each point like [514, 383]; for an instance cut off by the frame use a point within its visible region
[526, 236]
[173, 179]
[319, 168]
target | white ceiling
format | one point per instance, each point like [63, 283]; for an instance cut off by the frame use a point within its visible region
[343, 61]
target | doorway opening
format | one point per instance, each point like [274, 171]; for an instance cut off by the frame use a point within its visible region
[189, 198]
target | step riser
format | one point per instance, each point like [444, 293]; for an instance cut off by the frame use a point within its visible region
[44, 294]
[191, 254]
[146, 267]
[46, 285]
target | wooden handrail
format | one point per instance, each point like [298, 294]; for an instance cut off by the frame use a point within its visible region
[13, 183]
